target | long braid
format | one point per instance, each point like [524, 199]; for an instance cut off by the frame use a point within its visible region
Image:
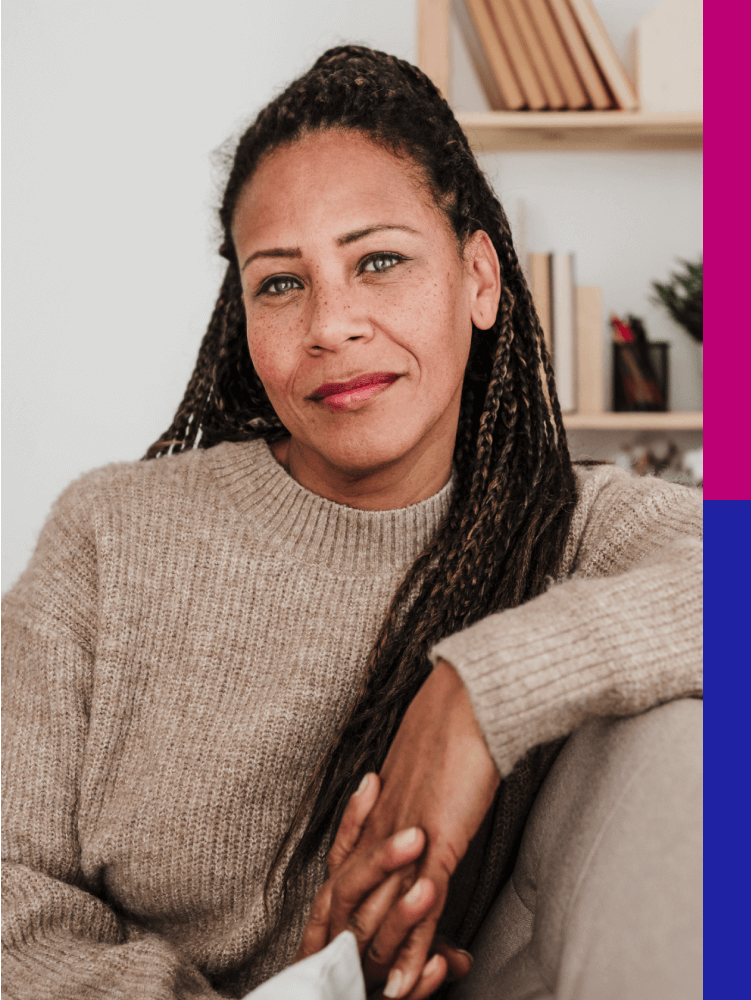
[503, 537]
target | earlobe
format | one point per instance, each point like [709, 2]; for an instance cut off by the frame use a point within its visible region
[485, 271]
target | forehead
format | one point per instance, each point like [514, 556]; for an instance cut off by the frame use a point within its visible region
[328, 179]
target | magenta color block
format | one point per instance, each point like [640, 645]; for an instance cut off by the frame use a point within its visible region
[727, 265]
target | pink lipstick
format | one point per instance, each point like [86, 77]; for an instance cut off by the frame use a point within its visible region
[340, 396]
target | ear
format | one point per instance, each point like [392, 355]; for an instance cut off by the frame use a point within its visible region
[485, 277]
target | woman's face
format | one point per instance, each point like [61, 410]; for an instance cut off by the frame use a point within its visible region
[359, 307]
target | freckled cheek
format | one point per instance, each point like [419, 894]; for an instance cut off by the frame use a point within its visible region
[272, 359]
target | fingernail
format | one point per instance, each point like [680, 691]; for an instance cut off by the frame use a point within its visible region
[430, 966]
[393, 985]
[363, 785]
[413, 896]
[406, 838]
[466, 954]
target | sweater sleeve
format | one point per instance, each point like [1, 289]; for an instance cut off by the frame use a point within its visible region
[621, 633]
[60, 938]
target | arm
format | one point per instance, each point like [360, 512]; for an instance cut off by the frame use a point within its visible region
[621, 634]
[60, 938]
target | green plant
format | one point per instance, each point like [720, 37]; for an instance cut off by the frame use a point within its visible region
[683, 298]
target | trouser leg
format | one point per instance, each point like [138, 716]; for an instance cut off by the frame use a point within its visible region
[605, 899]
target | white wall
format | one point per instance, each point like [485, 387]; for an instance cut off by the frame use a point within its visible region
[111, 111]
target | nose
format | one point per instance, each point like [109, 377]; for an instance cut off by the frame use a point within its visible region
[335, 321]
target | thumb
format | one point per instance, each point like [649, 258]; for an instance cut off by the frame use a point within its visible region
[316, 933]
[353, 820]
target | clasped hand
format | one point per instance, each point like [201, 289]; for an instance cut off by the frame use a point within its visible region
[400, 839]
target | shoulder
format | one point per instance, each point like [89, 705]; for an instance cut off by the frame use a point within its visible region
[122, 506]
[621, 516]
[186, 480]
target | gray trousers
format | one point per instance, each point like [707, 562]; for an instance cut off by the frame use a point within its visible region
[605, 899]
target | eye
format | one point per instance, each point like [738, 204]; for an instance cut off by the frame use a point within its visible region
[279, 285]
[379, 262]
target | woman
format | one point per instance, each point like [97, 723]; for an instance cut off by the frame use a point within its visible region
[363, 549]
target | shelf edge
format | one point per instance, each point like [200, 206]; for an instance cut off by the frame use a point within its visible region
[675, 420]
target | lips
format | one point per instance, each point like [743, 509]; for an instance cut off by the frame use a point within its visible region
[349, 395]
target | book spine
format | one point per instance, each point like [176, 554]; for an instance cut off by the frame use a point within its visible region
[537, 55]
[586, 67]
[477, 55]
[602, 49]
[560, 60]
[511, 40]
[564, 330]
[590, 342]
[539, 272]
[511, 95]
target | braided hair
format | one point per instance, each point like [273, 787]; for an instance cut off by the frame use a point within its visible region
[503, 537]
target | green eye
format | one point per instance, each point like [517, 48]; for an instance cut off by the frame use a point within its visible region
[381, 262]
[279, 285]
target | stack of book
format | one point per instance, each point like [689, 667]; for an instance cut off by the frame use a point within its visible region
[544, 54]
[572, 321]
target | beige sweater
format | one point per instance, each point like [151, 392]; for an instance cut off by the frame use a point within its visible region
[179, 652]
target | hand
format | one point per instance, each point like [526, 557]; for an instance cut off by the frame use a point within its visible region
[439, 777]
[381, 874]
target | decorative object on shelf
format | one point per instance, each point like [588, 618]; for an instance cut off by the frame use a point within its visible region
[640, 368]
[668, 58]
[683, 297]
[543, 54]
[663, 458]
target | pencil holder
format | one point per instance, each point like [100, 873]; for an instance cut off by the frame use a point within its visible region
[640, 377]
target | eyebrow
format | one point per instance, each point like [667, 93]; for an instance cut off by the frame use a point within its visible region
[357, 234]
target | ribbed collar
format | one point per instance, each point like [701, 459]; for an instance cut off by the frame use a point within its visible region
[312, 528]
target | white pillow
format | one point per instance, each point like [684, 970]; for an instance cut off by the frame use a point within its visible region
[332, 974]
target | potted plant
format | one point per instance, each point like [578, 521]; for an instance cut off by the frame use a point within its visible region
[683, 297]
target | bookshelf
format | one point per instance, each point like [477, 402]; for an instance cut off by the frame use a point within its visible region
[673, 420]
[495, 131]
[559, 131]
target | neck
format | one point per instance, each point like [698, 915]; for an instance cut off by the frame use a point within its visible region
[406, 481]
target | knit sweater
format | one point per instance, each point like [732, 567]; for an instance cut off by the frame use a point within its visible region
[181, 648]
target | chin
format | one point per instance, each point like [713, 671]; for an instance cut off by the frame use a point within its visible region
[362, 453]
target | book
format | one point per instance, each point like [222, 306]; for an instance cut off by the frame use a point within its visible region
[564, 331]
[602, 49]
[589, 73]
[489, 56]
[590, 337]
[539, 274]
[557, 52]
[505, 25]
[537, 56]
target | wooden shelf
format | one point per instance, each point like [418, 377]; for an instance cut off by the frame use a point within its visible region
[674, 420]
[540, 131]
